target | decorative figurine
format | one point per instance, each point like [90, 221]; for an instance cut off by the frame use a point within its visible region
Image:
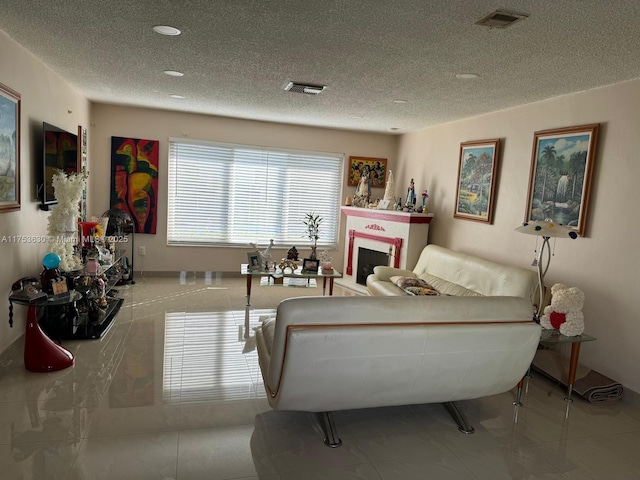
[389, 192]
[363, 190]
[325, 262]
[265, 256]
[292, 254]
[411, 195]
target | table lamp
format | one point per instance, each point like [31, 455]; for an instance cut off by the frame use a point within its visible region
[545, 229]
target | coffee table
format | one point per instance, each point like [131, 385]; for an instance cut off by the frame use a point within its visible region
[298, 273]
[279, 274]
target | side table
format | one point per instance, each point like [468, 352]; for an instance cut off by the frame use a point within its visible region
[41, 354]
[554, 337]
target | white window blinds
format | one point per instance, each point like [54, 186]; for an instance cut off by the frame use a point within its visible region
[227, 194]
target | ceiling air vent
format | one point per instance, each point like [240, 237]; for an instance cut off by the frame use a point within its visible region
[501, 19]
[304, 88]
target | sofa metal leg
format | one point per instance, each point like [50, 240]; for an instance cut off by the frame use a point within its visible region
[331, 434]
[459, 418]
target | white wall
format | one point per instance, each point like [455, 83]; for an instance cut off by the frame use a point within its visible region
[111, 120]
[605, 264]
[45, 97]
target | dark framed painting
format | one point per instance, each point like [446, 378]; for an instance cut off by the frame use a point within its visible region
[560, 177]
[310, 265]
[375, 168]
[9, 149]
[134, 180]
[477, 169]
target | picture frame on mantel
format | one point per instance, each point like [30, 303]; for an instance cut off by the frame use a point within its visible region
[477, 169]
[560, 177]
[9, 149]
[377, 168]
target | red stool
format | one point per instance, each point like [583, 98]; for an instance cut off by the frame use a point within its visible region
[41, 354]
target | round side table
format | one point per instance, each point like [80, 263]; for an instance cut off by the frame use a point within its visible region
[41, 354]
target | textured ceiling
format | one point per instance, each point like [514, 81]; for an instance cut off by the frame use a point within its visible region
[238, 55]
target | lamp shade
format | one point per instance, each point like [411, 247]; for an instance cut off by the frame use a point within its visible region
[547, 229]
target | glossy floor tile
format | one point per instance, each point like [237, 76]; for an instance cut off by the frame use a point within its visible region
[174, 391]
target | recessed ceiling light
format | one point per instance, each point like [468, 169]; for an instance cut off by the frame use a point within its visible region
[166, 30]
[174, 73]
[394, 129]
[357, 117]
[399, 101]
[176, 96]
[467, 76]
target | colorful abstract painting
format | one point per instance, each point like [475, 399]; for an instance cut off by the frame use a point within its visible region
[134, 180]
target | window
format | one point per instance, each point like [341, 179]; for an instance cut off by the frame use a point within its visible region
[227, 194]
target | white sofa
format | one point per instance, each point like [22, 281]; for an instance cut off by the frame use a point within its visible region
[459, 274]
[321, 354]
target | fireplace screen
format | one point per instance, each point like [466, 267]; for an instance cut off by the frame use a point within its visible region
[367, 259]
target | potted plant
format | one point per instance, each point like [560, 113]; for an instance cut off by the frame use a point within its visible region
[312, 222]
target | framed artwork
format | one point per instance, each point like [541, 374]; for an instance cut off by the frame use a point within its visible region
[376, 168]
[253, 259]
[477, 180]
[82, 163]
[134, 180]
[309, 265]
[560, 176]
[9, 149]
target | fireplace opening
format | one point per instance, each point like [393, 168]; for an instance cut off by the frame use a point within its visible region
[367, 259]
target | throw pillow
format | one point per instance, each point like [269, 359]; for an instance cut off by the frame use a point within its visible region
[414, 285]
[421, 291]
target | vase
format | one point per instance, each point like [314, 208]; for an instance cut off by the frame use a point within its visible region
[314, 255]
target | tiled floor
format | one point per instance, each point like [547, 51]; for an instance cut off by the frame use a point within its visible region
[173, 391]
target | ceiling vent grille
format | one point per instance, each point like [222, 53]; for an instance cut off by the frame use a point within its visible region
[304, 88]
[501, 19]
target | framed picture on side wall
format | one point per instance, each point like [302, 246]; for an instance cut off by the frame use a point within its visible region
[477, 169]
[9, 149]
[560, 177]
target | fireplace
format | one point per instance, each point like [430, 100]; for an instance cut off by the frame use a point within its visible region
[367, 259]
[398, 237]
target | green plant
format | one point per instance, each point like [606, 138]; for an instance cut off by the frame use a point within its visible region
[312, 222]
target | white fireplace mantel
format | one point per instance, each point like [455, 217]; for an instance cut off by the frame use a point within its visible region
[402, 235]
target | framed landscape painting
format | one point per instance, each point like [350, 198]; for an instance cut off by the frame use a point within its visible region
[560, 176]
[477, 180]
[9, 149]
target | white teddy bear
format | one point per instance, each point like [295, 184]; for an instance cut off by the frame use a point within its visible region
[565, 311]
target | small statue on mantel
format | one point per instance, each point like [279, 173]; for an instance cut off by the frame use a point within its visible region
[389, 190]
[410, 201]
[363, 190]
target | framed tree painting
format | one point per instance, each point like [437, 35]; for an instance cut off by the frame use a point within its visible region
[560, 176]
[375, 168]
[9, 149]
[477, 180]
